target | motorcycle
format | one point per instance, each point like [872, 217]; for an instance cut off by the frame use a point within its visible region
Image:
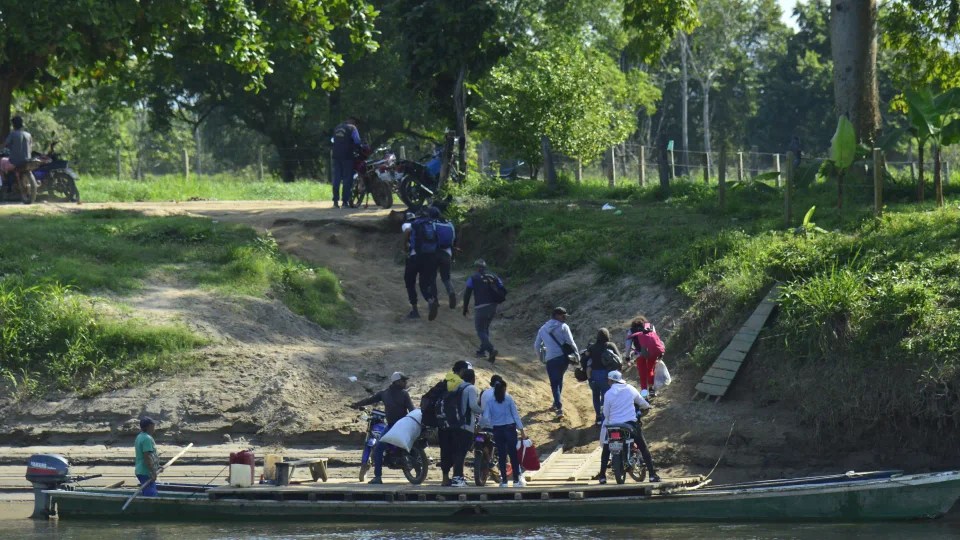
[51, 175]
[414, 463]
[376, 177]
[420, 182]
[484, 458]
[625, 455]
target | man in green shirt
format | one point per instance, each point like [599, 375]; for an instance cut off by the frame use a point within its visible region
[146, 465]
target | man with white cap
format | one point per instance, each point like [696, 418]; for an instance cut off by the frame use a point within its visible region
[396, 403]
[620, 406]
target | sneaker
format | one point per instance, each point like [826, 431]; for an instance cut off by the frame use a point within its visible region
[446, 483]
[599, 422]
[434, 306]
[453, 300]
[602, 479]
[414, 314]
[336, 204]
[654, 478]
[481, 354]
[503, 484]
[376, 480]
[493, 356]
[520, 483]
[559, 413]
[459, 482]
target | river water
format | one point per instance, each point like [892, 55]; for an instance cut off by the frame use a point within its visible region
[14, 524]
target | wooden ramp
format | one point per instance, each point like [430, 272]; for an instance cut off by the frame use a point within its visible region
[716, 381]
[560, 468]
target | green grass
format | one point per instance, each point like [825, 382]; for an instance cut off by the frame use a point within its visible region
[220, 187]
[50, 264]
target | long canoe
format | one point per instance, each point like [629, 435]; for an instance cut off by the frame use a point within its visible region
[883, 498]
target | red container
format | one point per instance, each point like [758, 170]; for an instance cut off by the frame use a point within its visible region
[244, 457]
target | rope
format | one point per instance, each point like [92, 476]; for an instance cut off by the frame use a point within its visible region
[723, 451]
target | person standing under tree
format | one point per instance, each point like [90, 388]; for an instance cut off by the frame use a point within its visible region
[20, 144]
[489, 291]
[346, 144]
[555, 344]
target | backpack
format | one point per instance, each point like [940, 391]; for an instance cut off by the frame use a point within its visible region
[425, 236]
[428, 403]
[610, 360]
[445, 234]
[449, 413]
[493, 283]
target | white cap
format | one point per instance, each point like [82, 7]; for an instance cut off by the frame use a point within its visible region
[615, 376]
[397, 376]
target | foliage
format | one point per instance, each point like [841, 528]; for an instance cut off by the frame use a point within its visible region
[922, 37]
[654, 23]
[221, 187]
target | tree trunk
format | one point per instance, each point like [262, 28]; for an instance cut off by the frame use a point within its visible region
[460, 104]
[199, 142]
[6, 102]
[937, 179]
[853, 38]
[663, 166]
[706, 120]
[684, 100]
[920, 183]
[549, 171]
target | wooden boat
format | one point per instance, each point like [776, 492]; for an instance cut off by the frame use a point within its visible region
[842, 498]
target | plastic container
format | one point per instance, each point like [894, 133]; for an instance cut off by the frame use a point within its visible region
[270, 466]
[244, 457]
[240, 475]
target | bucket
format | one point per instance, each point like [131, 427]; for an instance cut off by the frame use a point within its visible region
[270, 466]
[244, 457]
[240, 475]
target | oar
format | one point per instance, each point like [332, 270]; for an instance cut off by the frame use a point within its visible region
[148, 482]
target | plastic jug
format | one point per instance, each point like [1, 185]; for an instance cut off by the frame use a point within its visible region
[270, 466]
[240, 475]
[244, 457]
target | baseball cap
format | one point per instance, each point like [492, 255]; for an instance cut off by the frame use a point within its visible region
[461, 365]
[615, 376]
[480, 262]
[146, 421]
[559, 311]
[398, 376]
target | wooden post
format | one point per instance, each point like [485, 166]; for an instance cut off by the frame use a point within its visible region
[673, 166]
[119, 165]
[877, 182]
[754, 162]
[186, 164]
[612, 177]
[260, 163]
[722, 177]
[643, 166]
[787, 209]
[739, 166]
[706, 168]
[776, 166]
[579, 172]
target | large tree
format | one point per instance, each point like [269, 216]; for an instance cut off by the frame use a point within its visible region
[853, 40]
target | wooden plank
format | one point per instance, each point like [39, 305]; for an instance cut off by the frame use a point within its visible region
[740, 346]
[715, 381]
[712, 389]
[591, 461]
[720, 374]
[728, 365]
[732, 355]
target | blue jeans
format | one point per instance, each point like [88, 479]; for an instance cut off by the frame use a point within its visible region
[556, 367]
[599, 386]
[342, 174]
[505, 439]
[149, 491]
[482, 317]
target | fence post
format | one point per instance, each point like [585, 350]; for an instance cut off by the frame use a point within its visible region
[119, 165]
[643, 166]
[722, 178]
[739, 166]
[787, 208]
[673, 166]
[186, 164]
[877, 182]
[776, 166]
[706, 168]
[612, 177]
[260, 163]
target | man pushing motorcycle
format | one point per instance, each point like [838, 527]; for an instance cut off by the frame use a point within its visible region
[20, 144]
[397, 403]
[621, 404]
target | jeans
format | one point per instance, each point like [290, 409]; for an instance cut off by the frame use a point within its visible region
[599, 387]
[444, 260]
[446, 443]
[149, 491]
[641, 444]
[342, 175]
[457, 443]
[482, 317]
[427, 273]
[505, 439]
[556, 367]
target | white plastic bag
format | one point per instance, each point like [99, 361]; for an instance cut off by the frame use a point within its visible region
[661, 377]
[405, 432]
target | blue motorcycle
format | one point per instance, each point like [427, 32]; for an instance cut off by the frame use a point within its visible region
[420, 182]
[413, 463]
[51, 175]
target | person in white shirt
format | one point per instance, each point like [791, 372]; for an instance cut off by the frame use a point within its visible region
[620, 406]
[551, 338]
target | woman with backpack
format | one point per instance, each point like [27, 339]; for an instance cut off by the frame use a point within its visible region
[643, 339]
[501, 413]
[600, 358]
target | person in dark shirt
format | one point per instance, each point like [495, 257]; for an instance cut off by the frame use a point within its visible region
[396, 403]
[346, 143]
[20, 144]
[484, 309]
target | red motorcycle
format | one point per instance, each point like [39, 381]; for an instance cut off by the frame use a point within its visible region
[378, 178]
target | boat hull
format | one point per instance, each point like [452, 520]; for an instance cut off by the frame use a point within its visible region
[898, 498]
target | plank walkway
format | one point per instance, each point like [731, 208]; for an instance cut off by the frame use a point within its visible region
[717, 380]
[560, 467]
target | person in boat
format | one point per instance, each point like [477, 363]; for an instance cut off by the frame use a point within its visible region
[146, 462]
[620, 406]
[397, 403]
[428, 404]
[501, 413]
[643, 340]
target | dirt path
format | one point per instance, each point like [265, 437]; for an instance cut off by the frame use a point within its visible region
[275, 378]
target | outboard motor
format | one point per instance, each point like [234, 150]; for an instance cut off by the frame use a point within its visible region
[46, 471]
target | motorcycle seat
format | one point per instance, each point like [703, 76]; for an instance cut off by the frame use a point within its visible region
[624, 426]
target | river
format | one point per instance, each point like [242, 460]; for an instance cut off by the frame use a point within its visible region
[14, 524]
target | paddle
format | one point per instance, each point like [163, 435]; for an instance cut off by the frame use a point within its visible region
[148, 482]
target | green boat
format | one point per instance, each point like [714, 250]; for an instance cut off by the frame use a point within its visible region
[841, 498]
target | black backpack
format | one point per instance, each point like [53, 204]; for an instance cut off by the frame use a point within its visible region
[610, 360]
[449, 413]
[497, 290]
[425, 236]
[429, 401]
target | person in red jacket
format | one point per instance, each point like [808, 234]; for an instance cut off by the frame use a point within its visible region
[643, 339]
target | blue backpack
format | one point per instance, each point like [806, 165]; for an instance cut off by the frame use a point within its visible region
[445, 234]
[425, 236]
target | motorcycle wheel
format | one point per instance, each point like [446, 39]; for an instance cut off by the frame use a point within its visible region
[638, 472]
[364, 468]
[619, 467]
[64, 184]
[358, 192]
[415, 465]
[481, 468]
[412, 193]
[385, 195]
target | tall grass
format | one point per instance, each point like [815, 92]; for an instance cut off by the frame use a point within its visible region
[219, 187]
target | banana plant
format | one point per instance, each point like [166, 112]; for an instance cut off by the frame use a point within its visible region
[843, 150]
[933, 118]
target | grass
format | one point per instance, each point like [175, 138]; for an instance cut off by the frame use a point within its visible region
[222, 187]
[52, 334]
[870, 315]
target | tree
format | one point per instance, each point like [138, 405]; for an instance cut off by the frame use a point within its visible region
[932, 119]
[653, 24]
[853, 40]
[923, 37]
